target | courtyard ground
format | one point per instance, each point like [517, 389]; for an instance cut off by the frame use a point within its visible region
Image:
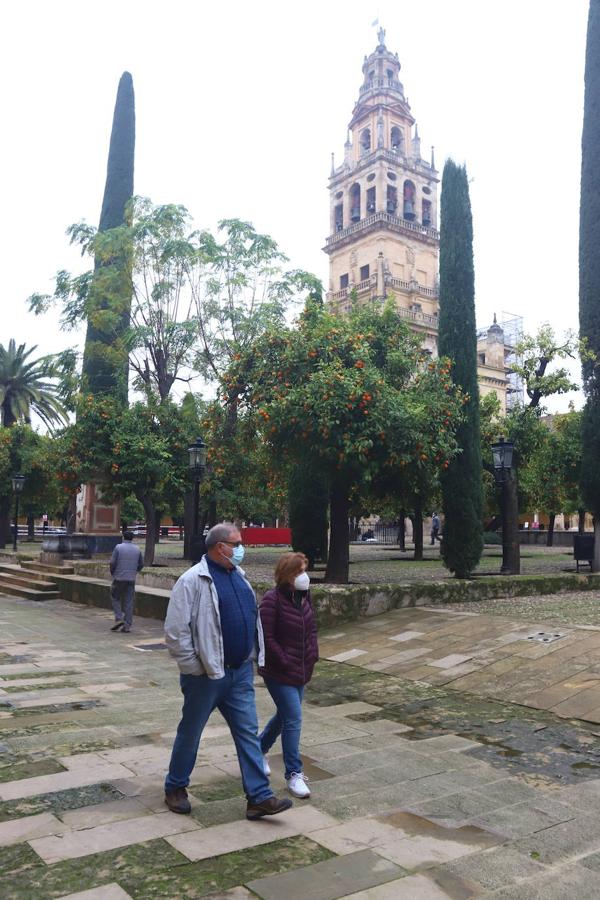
[451, 754]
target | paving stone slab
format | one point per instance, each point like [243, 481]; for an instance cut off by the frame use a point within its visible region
[493, 869]
[573, 882]
[15, 831]
[239, 835]
[45, 784]
[110, 891]
[328, 880]
[109, 837]
[104, 813]
[522, 819]
[413, 887]
[563, 842]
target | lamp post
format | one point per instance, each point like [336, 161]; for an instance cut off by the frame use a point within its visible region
[505, 473]
[18, 483]
[197, 454]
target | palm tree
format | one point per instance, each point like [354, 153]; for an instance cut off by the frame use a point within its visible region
[25, 387]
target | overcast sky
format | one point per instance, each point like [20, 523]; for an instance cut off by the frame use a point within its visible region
[239, 106]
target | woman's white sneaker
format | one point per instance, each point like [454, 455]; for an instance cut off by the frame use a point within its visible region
[266, 766]
[297, 786]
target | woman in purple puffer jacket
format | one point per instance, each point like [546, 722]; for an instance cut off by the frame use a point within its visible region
[291, 651]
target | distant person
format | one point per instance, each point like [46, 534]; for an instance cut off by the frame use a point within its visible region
[291, 651]
[45, 522]
[125, 562]
[435, 528]
[213, 630]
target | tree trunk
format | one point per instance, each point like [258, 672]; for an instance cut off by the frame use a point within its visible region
[596, 560]
[150, 514]
[30, 527]
[338, 560]
[418, 528]
[72, 514]
[157, 518]
[550, 535]
[212, 513]
[511, 555]
[402, 530]
[581, 521]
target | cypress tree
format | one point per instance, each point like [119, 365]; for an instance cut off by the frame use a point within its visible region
[462, 496]
[589, 274]
[105, 358]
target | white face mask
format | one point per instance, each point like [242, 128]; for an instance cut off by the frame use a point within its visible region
[302, 582]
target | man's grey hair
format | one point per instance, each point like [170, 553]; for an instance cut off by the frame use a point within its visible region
[218, 533]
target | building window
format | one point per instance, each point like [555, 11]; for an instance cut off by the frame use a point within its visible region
[364, 273]
[409, 200]
[339, 216]
[355, 202]
[365, 141]
[343, 281]
[426, 212]
[397, 140]
[371, 200]
[392, 199]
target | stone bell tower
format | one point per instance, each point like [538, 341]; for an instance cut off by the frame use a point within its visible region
[383, 202]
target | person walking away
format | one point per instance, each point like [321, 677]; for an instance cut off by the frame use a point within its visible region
[435, 528]
[291, 651]
[126, 561]
[214, 632]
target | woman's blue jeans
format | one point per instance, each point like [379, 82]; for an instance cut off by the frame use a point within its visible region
[233, 696]
[286, 722]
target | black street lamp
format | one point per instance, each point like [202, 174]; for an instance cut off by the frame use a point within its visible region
[197, 453]
[18, 483]
[505, 474]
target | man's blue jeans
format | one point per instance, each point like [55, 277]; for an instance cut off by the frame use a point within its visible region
[233, 696]
[286, 722]
[122, 594]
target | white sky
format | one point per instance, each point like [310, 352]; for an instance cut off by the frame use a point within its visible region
[239, 106]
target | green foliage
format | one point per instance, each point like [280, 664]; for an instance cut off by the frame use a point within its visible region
[589, 264]
[28, 453]
[351, 397]
[534, 354]
[29, 386]
[462, 494]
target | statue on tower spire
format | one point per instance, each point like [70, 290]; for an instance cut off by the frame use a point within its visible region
[381, 36]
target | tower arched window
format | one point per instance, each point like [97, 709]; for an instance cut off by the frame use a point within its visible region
[397, 140]
[355, 202]
[392, 199]
[409, 200]
[339, 216]
[365, 141]
[371, 201]
[426, 217]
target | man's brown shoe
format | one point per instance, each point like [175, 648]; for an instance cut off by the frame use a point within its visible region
[177, 801]
[269, 807]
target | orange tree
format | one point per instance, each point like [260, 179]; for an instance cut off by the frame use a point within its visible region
[356, 395]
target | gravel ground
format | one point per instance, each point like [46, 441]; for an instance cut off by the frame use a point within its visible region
[577, 608]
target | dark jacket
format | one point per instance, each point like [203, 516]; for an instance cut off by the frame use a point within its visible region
[290, 631]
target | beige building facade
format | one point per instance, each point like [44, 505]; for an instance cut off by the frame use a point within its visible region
[383, 239]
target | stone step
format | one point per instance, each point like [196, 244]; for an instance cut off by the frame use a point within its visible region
[46, 568]
[24, 579]
[25, 573]
[28, 593]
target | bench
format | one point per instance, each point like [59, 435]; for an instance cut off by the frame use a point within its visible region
[583, 549]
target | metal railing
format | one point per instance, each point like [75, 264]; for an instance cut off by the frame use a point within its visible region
[389, 219]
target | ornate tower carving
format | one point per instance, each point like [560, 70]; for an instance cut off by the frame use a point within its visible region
[383, 199]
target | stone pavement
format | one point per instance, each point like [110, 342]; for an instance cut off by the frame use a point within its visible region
[424, 785]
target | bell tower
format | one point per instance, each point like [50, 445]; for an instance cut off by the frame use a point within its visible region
[383, 204]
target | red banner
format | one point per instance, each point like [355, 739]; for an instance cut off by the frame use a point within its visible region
[281, 536]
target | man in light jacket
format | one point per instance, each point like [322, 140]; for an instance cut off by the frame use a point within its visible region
[213, 630]
[125, 562]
